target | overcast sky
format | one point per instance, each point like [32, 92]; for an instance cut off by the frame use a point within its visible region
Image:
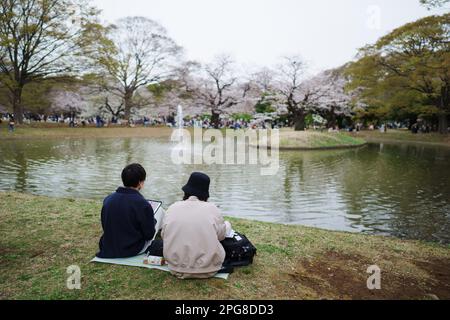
[326, 33]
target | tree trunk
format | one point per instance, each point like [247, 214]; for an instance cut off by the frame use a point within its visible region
[17, 104]
[299, 122]
[443, 123]
[128, 101]
[332, 121]
[215, 119]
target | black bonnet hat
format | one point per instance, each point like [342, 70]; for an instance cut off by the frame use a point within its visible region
[198, 185]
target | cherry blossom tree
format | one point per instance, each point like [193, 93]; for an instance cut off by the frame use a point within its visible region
[134, 53]
[75, 100]
[262, 93]
[215, 87]
[431, 4]
[299, 96]
[333, 99]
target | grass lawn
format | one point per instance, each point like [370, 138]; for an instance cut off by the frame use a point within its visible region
[290, 139]
[405, 136]
[42, 236]
[50, 131]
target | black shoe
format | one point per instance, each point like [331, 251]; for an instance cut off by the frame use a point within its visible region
[226, 269]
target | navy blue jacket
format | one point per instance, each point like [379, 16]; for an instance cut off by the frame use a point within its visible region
[128, 222]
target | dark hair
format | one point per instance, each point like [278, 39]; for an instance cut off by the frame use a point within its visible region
[187, 196]
[132, 175]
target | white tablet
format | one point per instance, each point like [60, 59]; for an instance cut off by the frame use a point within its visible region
[155, 205]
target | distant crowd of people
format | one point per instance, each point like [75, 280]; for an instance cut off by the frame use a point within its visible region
[9, 118]
[420, 128]
[100, 121]
[236, 124]
[205, 122]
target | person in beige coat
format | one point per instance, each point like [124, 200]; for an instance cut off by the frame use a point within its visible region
[192, 231]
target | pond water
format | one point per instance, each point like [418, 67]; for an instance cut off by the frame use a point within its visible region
[386, 189]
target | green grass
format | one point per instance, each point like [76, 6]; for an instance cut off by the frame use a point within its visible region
[335, 139]
[53, 131]
[42, 236]
[405, 136]
[290, 139]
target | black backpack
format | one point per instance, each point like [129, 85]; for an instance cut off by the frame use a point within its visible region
[156, 248]
[239, 251]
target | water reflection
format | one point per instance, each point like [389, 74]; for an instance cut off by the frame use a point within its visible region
[399, 190]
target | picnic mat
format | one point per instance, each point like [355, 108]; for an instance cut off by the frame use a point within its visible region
[138, 261]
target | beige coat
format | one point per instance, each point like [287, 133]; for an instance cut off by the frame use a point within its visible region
[192, 231]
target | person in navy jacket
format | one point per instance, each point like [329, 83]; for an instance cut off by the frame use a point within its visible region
[128, 220]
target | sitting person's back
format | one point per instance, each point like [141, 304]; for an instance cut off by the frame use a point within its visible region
[127, 218]
[192, 232]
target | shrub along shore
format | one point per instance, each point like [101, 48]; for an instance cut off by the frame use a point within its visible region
[42, 236]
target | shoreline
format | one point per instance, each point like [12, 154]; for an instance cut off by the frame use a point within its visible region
[42, 236]
[289, 140]
[405, 137]
[408, 142]
[343, 147]
[31, 133]
[303, 141]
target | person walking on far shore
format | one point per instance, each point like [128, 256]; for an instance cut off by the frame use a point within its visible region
[11, 124]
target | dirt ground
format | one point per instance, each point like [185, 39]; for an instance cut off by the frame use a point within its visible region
[344, 276]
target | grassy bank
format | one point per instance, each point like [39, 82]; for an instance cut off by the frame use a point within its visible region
[289, 139]
[405, 136]
[42, 236]
[63, 132]
[303, 140]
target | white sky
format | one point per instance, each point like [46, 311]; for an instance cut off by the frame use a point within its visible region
[326, 33]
